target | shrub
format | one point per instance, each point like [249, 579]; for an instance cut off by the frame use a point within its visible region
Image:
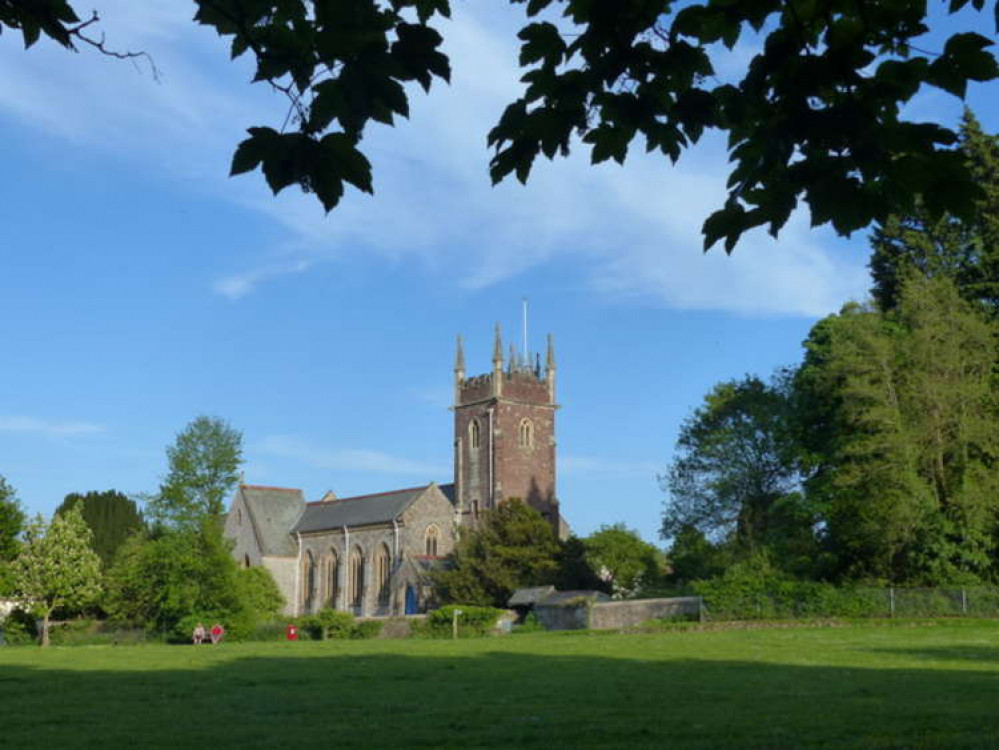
[19, 628]
[473, 621]
[366, 629]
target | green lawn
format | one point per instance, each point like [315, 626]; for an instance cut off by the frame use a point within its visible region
[932, 686]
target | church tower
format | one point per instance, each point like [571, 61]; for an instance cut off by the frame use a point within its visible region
[504, 434]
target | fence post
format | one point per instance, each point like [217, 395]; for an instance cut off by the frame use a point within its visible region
[891, 600]
[454, 623]
[964, 601]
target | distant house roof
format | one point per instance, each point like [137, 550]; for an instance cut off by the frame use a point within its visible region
[529, 596]
[273, 511]
[363, 510]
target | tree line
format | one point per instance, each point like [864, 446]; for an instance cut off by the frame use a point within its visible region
[877, 456]
[161, 570]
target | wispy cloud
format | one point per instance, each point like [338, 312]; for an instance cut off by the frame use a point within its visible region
[608, 467]
[347, 459]
[50, 428]
[241, 284]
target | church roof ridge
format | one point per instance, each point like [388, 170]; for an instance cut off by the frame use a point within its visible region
[369, 495]
[267, 488]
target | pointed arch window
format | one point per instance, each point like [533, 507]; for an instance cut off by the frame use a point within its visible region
[383, 569]
[526, 434]
[355, 580]
[432, 541]
[308, 582]
[474, 436]
[330, 574]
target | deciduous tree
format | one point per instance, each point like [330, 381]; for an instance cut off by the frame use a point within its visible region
[735, 476]
[204, 469]
[57, 568]
[621, 557]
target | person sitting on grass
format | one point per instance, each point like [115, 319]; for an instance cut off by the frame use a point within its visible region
[216, 633]
[199, 634]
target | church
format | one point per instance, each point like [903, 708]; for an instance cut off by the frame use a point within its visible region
[372, 555]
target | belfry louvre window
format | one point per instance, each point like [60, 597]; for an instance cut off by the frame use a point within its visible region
[526, 434]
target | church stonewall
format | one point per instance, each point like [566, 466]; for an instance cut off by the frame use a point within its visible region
[372, 555]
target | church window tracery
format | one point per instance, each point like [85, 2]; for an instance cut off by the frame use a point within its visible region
[330, 579]
[432, 540]
[355, 585]
[383, 568]
[308, 581]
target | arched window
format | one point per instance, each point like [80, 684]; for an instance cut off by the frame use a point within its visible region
[473, 434]
[308, 582]
[246, 561]
[330, 576]
[526, 434]
[432, 538]
[355, 579]
[383, 569]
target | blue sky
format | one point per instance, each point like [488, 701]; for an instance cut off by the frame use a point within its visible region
[140, 286]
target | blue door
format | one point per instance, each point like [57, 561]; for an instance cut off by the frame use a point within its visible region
[410, 600]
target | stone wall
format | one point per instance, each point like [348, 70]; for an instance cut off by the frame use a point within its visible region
[613, 615]
[561, 616]
[617, 615]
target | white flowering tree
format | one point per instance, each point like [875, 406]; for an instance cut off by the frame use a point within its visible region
[57, 567]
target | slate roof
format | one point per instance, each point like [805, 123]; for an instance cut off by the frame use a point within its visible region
[363, 510]
[274, 511]
[529, 596]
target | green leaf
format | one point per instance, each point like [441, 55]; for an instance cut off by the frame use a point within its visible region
[252, 151]
[542, 41]
[338, 152]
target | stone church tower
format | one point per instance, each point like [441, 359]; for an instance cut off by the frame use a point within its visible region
[504, 434]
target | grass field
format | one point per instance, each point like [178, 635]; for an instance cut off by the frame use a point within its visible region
[863, 686]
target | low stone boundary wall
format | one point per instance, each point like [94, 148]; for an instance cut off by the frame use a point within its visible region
[613, 615]
[627, 614]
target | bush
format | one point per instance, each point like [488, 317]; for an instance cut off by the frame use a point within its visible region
[19, 628]
[366, 629]
[238, 627]
[531, 624]
[473, 621]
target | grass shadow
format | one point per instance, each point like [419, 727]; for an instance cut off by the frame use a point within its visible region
[494, 699]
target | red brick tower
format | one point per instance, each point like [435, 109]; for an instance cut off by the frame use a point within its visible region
[504, 434]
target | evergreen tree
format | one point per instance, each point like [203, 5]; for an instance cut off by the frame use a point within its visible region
[111, 516]
[514, 547]
[965, 250]
[11, 524]
[57, 568]
[204, 469]
[899, 421]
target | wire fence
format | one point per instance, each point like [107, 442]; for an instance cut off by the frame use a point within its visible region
[829, 601]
